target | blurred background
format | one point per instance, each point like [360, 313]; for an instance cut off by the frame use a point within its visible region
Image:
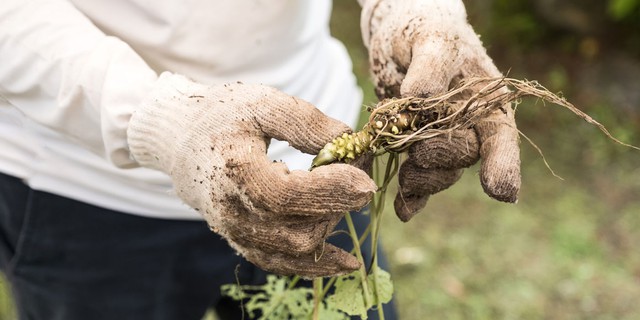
[569, 248]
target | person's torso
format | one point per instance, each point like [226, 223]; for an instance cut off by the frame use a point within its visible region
[282, 43]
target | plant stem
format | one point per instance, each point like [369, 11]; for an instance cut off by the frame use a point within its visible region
[293, 282]
[376, 219]
[333, 280]
[376, 212]
[317, 297]
[363, 271]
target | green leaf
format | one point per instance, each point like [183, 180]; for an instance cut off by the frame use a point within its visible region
[383, 287]
[299, 302]
[328, 313]
[233, 291]
[283, 303]
[257, 302]
[273, 300]
[348, 296]
[275, 284]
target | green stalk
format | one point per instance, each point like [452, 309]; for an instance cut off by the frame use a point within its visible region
[376, 219]
[333, 280]
[317, 297]
[363, 271]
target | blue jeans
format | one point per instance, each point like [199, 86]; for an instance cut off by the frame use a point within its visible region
[69, 260]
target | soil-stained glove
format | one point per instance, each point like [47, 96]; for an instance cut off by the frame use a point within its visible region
[212, 142]
[422, 48]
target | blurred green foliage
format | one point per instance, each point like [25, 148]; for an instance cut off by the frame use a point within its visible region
[623, 9]
[511, 20]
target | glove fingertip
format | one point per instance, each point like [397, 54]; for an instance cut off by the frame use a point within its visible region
[407, 206]
[500, 179]
[349, 183]
[505, 188]
[345, 261]
[327, 261]
[500, 170]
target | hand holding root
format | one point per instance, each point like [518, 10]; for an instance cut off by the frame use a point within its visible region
[440, 132]
[212, 141]
[422, 49]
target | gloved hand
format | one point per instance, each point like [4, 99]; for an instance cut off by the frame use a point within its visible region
[212, 142]
[422, 48]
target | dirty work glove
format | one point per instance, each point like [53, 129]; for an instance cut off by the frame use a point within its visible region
[422, 48]
[212, 142]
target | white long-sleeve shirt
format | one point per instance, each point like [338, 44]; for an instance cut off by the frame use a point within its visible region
[72, 72]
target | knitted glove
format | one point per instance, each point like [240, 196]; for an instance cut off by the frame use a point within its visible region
[423, 48]
[212, 142]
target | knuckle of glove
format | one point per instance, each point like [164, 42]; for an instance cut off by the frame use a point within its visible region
[278, 235]
[412, 53]
[459, 149]
[293, 234]
[418, 181]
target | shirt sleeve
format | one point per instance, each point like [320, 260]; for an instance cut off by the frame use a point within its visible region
[61, 71]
